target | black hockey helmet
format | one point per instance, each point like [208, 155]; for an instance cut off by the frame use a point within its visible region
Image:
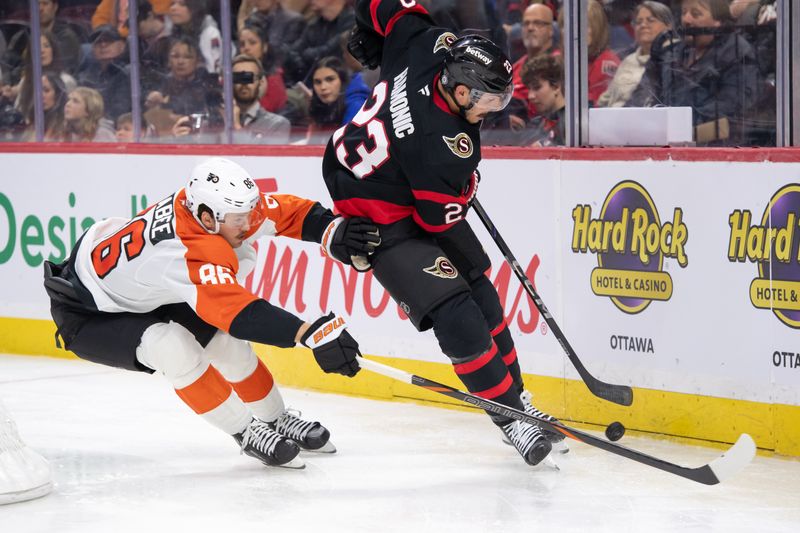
[478, 63]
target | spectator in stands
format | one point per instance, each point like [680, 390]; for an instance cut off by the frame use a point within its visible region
[621, 33]
[188, 89]
[253, 42]
[190, 17]
[544, 77]
[650, 19]
[124, 128]
[12, 122]
[107, 71]
[83, 117]
[712, 70]
[54, 96]
[319, 39]
[603, 62]
[251, 122]
[537, 36]
[51, 62]
[115, 13]
[66, 40]
[154, 39]
[280, 24]
[335, 100]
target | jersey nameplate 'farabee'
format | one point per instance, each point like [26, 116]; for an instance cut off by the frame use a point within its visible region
[410, 155]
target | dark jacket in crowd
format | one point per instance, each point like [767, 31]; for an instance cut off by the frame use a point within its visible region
[112, 82]
[282, 26]
[321, 38]
[200, 94]
[721, 84]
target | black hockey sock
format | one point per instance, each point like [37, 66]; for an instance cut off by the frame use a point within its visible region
[505, 346]
[487, 376]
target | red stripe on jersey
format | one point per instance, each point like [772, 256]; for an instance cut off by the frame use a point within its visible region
[378, 211]
[497, 390]
[437, 197]
[256, 386]
[373, 10]
[431, 228]
[477, 363]
[500, 327]
[510, 357]
[416, 9]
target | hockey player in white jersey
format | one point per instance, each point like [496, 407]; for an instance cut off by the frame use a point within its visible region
[162, 292]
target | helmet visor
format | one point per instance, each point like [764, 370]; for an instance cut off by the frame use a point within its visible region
[483, 102]
[248, 219]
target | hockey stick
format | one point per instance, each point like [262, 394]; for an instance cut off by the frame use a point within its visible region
[732, 461]
[620, 394]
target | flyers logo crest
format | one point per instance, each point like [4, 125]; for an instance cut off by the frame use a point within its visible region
[461, 145]
[444, 41]
[442, 268]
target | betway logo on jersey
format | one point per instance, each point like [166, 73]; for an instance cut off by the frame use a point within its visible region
[631, 243]
[479, 55]
[398, 105]
[774, 245]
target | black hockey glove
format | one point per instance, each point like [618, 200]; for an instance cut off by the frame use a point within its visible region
[334, 349]
[366, 46]
[351, 241]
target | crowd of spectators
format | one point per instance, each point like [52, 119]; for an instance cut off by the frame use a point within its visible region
[294, 82]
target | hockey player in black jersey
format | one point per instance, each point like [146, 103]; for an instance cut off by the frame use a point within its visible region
[408, 161]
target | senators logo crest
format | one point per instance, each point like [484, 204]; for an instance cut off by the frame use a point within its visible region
[444, 41]
[461, 145]
[442, 268]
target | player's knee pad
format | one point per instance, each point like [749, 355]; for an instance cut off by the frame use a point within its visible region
[234, 358]
[172, 350]
[461, 329]
[485, 295]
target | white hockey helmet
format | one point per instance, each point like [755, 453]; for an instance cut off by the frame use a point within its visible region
[225, 188]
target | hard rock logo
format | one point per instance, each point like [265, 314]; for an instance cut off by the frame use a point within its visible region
[774, 245]
[631, 243]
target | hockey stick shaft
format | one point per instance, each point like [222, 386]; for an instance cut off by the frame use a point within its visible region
[619, 394]
[735, 459]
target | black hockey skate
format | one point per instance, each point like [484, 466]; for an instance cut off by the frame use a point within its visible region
[259, 440]
[528, 440]
[311, 436]
[555, 438]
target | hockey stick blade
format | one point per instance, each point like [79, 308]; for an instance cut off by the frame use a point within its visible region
[619, 394]
[728, 464]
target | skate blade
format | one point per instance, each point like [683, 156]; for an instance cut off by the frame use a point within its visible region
[27, 494]
[549, 463]
[328, 448]
[295, 464]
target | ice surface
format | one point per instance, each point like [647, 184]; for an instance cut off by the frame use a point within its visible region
[128, 456]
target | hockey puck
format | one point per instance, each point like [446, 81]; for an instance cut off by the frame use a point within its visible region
[615, 431]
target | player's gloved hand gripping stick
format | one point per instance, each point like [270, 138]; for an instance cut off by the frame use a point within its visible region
[351, 241]
[620, 394]
[334, 348]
